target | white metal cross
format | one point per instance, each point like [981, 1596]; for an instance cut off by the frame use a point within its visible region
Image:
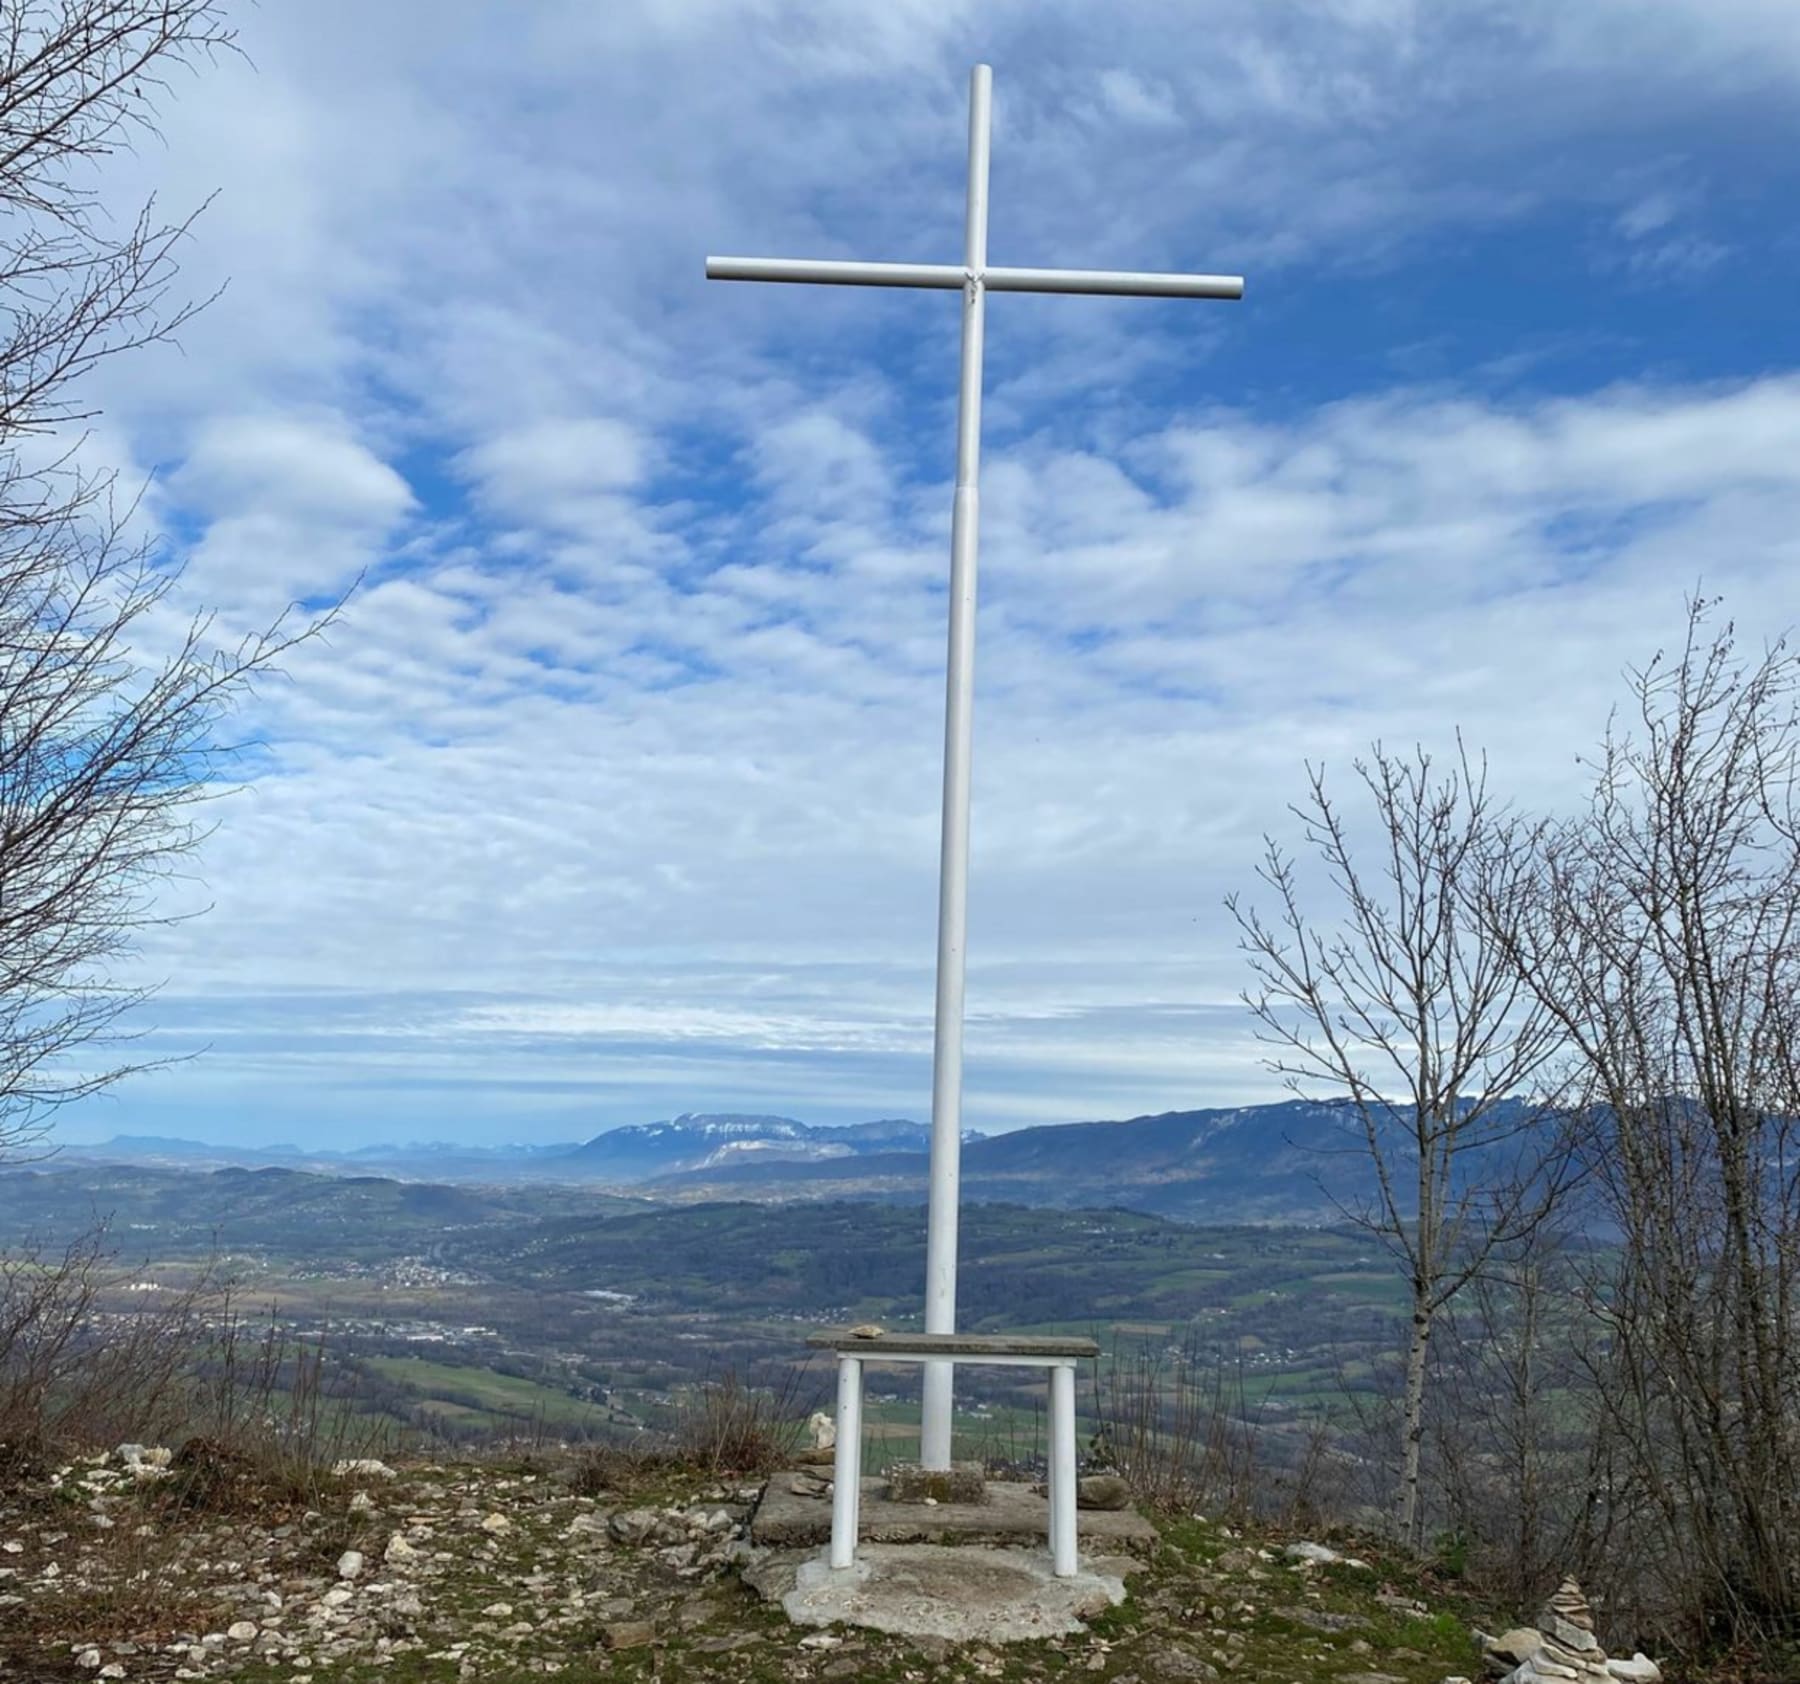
[975, 279]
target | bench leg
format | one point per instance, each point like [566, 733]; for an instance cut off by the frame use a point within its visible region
[1062, 1470]
[847, 1468]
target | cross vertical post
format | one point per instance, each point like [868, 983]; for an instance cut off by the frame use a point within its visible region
[953, 858]
[975, 278]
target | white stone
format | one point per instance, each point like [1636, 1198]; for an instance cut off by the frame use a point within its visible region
[88, 1659]
[350, 1563]
[241, 1631]
[1640, 1669]
[495, 1523]
[364, 1467]
[1318, 1554]
[398, 1549]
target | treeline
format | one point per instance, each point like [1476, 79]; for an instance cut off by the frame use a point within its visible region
[1627, 1411]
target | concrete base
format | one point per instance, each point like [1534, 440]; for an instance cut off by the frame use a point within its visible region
[1012, 1514]
[961, 1482]
[928, 1590]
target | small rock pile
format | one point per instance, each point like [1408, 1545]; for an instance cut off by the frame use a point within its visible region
[702, 1539]
[1562, 1648]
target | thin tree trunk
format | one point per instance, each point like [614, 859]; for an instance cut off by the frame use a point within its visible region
[1413, 1421]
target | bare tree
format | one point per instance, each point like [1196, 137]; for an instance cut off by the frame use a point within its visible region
[109, 724]
[1522, 1438]
[1407, 1008]
[1665, 939]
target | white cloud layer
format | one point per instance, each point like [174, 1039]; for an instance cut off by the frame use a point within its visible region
[614, 791]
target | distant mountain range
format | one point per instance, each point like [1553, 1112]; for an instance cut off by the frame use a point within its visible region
[1297, 1161]
[625, 1156]
[704, 1145]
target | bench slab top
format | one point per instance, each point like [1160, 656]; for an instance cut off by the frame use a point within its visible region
[972, 1347]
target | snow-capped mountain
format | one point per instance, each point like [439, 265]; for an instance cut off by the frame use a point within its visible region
[645, 1151]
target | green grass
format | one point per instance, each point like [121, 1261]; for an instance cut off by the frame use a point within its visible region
[448, 1386]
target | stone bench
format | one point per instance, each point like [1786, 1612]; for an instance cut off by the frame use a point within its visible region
[855, 1351]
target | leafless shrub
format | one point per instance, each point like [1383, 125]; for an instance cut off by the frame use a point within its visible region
[87, 1363]
[1523, 1469]
[271, 1415]
[1178, 1428]
[729, 1427]
[626, 1467]
[77, 1364]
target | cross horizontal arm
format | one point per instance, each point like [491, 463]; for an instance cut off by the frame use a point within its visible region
[950, 277]
[1113, 282]
[824, 271]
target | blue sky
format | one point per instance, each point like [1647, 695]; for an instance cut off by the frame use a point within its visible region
[614, 794]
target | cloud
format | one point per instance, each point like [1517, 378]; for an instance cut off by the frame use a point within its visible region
[1136, 100]
[614, 790]
[274, 464]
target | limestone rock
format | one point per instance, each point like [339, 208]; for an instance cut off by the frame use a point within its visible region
[1640, 1669]
[632, 1526]
[1320, 1555]
[629, 1634]
[363, 1467]
[1107, 1491]
[349, 1564]
[1511, 1649]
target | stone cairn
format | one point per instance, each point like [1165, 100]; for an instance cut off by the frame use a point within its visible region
[1563, 1649]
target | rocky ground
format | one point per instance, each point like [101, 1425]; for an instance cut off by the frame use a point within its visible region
[500, 1572]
